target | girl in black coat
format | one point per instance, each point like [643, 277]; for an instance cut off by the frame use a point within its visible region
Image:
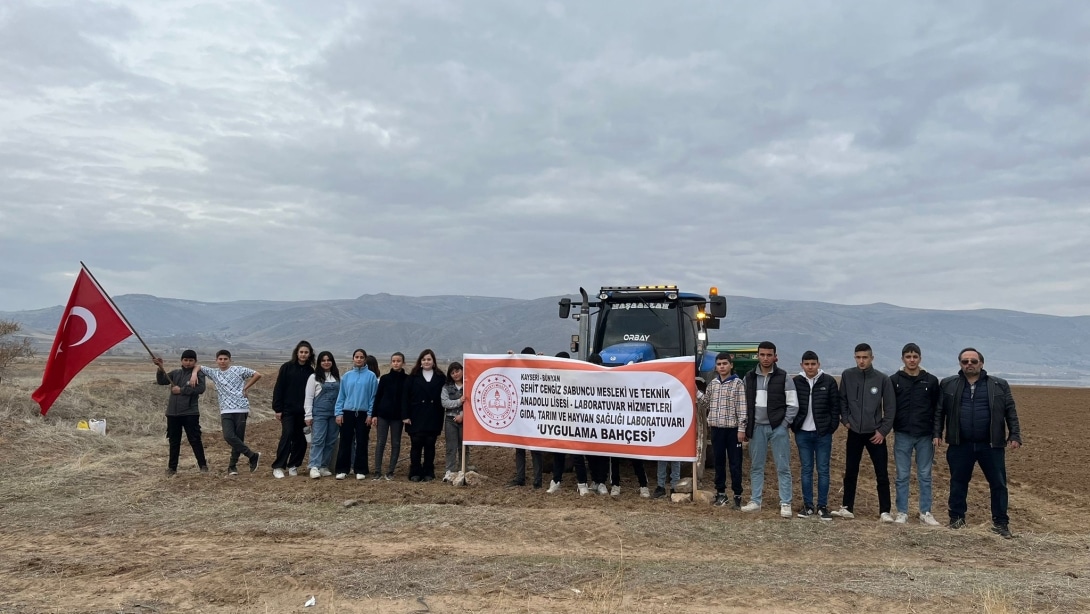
[422, 413]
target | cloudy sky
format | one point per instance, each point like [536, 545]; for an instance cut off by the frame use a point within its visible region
[923, 154]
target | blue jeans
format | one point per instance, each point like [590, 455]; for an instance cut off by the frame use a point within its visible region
[814, 450]
[763, 436]
[323, 437]
[903, 447]
[674, 468]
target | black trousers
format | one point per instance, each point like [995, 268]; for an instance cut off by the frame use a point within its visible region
[727, 451]
[293, 443]
[192, 427]
[637, 468]
[580, 465]
[962, 459]
[422, 454]
[234, 433]
[879, 456]
[538, 459]
[354, 430]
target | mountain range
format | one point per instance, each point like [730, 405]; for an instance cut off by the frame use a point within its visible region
[1022, 346]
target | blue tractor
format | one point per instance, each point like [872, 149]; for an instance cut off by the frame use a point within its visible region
[640, 323]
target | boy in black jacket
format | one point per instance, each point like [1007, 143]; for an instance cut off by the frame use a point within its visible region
[186, 386]
[917, 399]
[814, 425]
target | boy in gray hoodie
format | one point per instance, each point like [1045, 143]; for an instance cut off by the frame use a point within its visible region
[868, 404]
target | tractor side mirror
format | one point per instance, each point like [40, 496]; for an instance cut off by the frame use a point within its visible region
[565, 308]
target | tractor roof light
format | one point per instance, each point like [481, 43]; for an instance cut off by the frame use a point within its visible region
[603, 295]
[714, 291]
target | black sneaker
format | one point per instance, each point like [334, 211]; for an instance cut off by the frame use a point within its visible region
[659, 493]
[515, 483]
[957, 523]
[204, 468]
[427, 478]
[720, 500]
[823, 513]
[1002, 530]
[807, 512]
[737, 504]
[537, 484]
[254, 459]
[414, 478]
[232, 470]
[171, 472]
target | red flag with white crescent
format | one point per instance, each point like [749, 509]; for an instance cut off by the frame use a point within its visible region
[89, 326]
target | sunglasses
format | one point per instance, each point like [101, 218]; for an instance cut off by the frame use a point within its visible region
[970, 361]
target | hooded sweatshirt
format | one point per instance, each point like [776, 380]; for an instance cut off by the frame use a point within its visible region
[358, 387]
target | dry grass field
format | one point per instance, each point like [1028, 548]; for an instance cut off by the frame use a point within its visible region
[91, 524]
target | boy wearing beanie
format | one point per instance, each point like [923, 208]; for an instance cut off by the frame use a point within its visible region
[186, 386]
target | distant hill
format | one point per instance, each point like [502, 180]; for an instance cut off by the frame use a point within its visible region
[1026, 347]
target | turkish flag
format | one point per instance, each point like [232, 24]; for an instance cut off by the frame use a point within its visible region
[90, 326]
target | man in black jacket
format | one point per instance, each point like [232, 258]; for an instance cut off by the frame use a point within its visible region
[917, 397]
[817, 420]
[978, 414]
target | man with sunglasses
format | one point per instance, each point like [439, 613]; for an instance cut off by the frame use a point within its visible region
[978, 414]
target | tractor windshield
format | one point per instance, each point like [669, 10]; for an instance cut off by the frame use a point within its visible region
[654, 323]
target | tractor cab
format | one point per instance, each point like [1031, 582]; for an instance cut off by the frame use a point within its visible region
[641, 323]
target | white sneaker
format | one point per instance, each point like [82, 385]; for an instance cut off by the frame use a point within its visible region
[843, 512]
[785, 510]
[278, 474]
[448, 476]
[901, 518]
[645, 492]
[341, 476]
[928, 519]
[885, 517]
[584, 490]
[325, 472]
[603, 489]
[752, 506]
[554, 487]
[315, 473]
[615, 491]
[592, 485]
[363, 476]
[293, 471]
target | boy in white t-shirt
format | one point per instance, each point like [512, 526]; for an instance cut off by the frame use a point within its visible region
[232, 382]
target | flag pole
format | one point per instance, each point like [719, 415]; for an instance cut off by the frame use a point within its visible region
[109, 298]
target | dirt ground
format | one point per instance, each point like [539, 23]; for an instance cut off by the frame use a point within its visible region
[91, 524]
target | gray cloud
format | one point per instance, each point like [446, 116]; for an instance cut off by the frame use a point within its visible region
[916, 154]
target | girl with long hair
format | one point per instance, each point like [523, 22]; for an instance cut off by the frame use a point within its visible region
[288, 399]
[422, 413]
[320, 404]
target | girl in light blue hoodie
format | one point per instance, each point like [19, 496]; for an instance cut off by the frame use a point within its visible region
[355, 402]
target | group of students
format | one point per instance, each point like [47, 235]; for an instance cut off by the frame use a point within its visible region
[974, 411]
[340, 410]
[761, 408]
